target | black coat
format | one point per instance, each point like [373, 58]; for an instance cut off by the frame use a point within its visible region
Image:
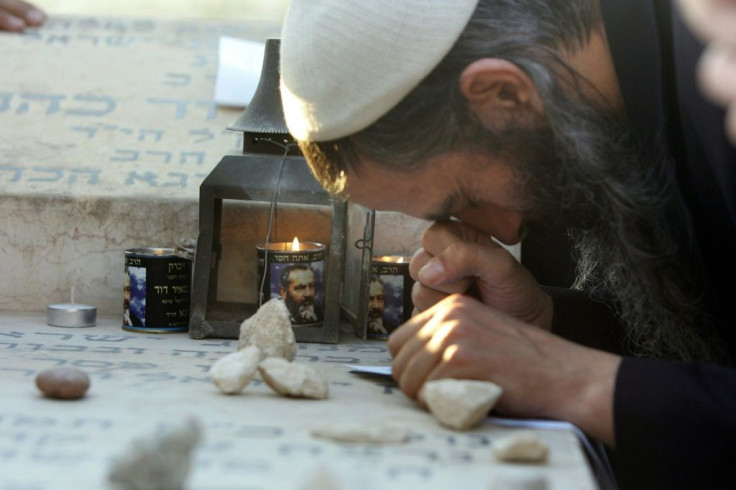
[675, 423]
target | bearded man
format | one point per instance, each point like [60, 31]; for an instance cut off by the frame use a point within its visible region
[377, 325]
[526, 120]
[297, 289]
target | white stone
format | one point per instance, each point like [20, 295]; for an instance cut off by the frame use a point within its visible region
[460, 404]
[526, 480]
[291, 379]
[361, 433]
[522, 447]
[161, 461]
[235, 371]
[270, 330]
[321, 478]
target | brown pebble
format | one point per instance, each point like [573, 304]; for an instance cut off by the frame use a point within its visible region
[64, 383]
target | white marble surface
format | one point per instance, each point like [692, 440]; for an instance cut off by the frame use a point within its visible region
[141, 383]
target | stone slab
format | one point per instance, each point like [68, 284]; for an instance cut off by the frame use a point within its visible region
[141, 383]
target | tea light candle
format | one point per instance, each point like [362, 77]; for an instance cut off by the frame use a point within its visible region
[294, 272]
[71, 314]
[389, 295]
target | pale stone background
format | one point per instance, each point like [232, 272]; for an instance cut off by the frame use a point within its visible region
[108, 130]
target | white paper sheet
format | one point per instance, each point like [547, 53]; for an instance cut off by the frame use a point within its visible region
[381, 370]
[238, 71]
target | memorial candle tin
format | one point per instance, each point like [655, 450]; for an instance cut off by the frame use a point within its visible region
[156, 291]
[295, 273]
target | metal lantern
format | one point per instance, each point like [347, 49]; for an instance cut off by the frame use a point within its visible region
[272, 170]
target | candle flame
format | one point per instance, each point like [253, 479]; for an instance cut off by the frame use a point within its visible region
[390, 258]
[295, 244]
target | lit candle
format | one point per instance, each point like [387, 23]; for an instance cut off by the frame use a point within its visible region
[389, 295]
[71, 314]
[294, 272]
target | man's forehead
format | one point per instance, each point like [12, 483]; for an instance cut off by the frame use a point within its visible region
[301, 274]
[425, 193]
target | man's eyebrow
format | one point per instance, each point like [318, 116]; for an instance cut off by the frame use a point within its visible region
[444, 211]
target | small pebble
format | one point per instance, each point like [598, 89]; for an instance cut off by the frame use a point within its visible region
[235, 371]
[292, 379]
[521, 447]
[63, 383]
[460, 403]
[362, 433]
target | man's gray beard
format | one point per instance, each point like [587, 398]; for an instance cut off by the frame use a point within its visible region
[306, 309]
[375, 314]
[617, 204]
[300, 310]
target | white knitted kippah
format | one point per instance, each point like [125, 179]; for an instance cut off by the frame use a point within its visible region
[346, 63]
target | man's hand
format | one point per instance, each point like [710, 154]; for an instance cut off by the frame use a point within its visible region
[456, 258]
[16, 15]
[542, 375]
[714, 21]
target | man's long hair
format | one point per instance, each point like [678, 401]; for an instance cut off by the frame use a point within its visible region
[585, 169]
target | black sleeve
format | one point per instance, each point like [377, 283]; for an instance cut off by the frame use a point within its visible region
[675, 425]
[586, 320]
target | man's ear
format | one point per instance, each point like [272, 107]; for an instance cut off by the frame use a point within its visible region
[498, 92]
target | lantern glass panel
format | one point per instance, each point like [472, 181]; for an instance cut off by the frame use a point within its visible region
[245, 226]
[357, 265]
[270, 174]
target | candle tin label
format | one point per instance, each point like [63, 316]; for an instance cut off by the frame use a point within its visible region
[389, 297]
[156, 291]
[295, 276]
